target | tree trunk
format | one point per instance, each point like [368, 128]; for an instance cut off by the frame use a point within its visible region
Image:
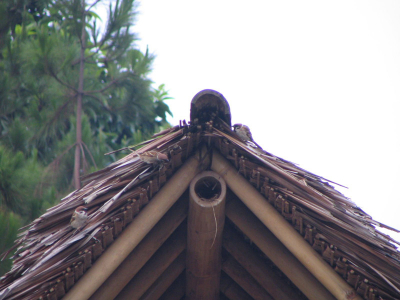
[78, 146]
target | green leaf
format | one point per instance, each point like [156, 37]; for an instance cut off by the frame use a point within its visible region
[93, 14]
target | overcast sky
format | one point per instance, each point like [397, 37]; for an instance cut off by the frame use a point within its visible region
[316, 81]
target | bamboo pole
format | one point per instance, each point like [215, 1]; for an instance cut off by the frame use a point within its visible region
[166, 279]
[142, 253]
[206, 220]
[282, 230]
[177, 289]
[160, 261]
[232, 290]
[136, 231]
[239, 274]
[256, 266]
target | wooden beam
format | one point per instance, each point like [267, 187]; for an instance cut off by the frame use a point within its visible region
[232, 290]
[235, 271]
[159, 262]
[166, 279]
[133, 234]
[248, 223]
[142, 253]
[283, 230]
[206, 220]
[177, 289]
[223, 297]
[256, 266]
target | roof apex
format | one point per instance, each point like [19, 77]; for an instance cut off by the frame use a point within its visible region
[206, 103]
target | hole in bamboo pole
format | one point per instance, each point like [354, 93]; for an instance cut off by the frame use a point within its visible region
[208, 188]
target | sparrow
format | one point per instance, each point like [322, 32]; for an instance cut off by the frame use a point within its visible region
[244, 133]
[153, 157]
[79, 217]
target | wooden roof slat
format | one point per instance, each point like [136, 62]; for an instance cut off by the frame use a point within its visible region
[34, 277]
[256, 267]
[156, 265]
[143, 252]
[223, 297]
[35, 283]
[176, 289]
[154, 143]
[343, 221]
[239, 274]
[245, 220]
[166, 279]
[232, 290]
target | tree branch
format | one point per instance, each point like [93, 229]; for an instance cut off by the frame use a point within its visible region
[77, 61]
[101, 103]
[60, 81]
[106, 87]
[99, 45]
[58, 158]
[53, 119]
[90, 154]
[94, 3]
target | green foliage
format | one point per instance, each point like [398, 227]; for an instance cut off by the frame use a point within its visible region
[9, 224]
[21, 183]
[40, 54]
[40, 74]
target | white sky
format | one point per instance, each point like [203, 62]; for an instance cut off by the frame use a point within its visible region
[316, 81]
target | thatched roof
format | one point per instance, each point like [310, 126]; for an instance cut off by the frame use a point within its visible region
[51, 257]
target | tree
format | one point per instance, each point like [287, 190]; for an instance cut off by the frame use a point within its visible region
[66, 85]
[66, 71]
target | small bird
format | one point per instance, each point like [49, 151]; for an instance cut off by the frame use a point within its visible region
[153, 157]
[244, 133]
[79, 217]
